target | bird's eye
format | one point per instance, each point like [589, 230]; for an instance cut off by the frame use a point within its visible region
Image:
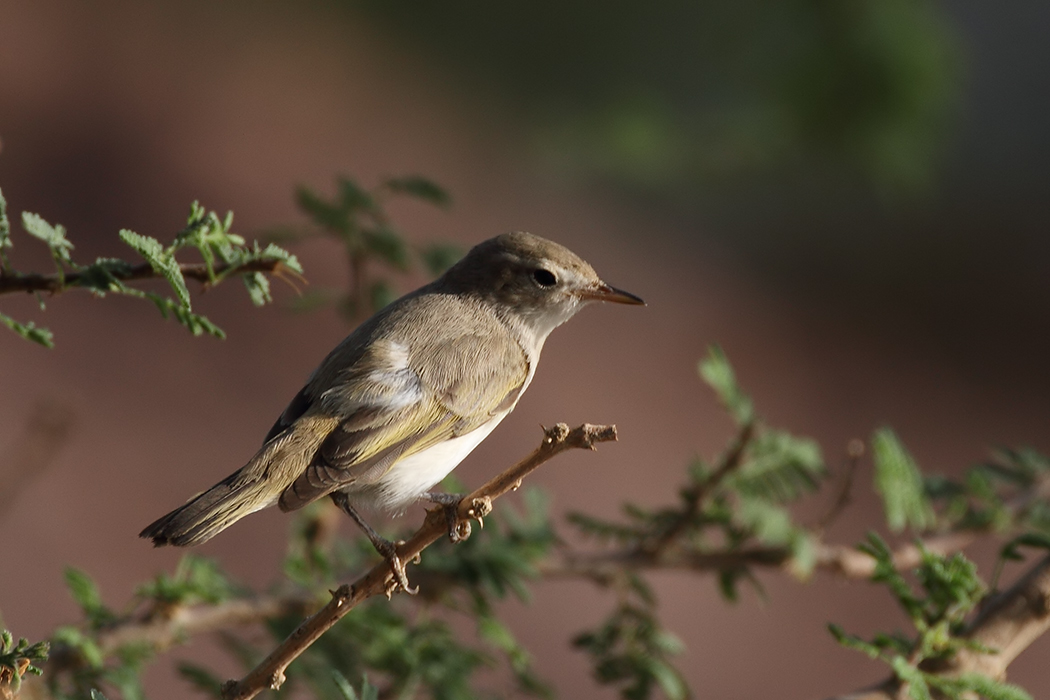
[544, 278]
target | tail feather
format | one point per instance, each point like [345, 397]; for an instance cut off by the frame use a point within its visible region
[206, 515]
[254, 486]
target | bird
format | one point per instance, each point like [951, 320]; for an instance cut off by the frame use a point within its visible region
[404, 398]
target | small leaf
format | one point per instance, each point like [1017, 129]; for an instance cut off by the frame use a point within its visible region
[439, 257]
[5, 233]
[387, 245]
[161, 261]
[990, 688]
[258, 286]
[29, 331]
[1011, 550]
[201, 678]
[421, 188]
[84, 591]
[53, 236]
[719, 375]
[380, 294]
[353, 197]
[899, 481]
[324, 214]
[347, 692]
[918, 689]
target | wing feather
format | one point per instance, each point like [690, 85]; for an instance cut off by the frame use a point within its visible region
[397, 402]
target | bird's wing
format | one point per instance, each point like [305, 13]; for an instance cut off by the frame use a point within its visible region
[404, 406]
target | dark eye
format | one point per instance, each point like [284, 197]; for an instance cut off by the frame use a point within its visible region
[544, 278]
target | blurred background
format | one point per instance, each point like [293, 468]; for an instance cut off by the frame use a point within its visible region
[850, 198]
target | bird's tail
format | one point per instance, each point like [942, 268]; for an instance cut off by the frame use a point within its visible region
[254, 486]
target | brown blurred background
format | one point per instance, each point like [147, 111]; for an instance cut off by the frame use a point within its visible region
[852, 201]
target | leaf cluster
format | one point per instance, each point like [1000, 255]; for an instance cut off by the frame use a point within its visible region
[17, 659]
[223, 253]
[734, 504]
[357, 220]
[87, 666]
[949, 589]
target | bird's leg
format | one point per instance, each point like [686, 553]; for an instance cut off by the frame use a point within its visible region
[449, 502]
[386, 548]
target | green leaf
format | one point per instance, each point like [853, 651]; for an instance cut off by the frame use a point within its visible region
[347, 692]
[916, 679]
[258, 286]
[1011, 550]
[899, 481]
[323, 213]
[779, 467]
[986, 687]
[84, 591]
[719, 375]
[29, 331]
[853, 642]
[201, 678]
[5, 233]
[53, 236]
[438, 257]
[380, 294]
[352, 197]
[275, 252]
[420, 188]
[13, 657]
[770, 523]
[162, 261]
[388, 246]
[83, 644]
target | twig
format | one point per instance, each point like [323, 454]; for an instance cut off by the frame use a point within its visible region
[47, 432]
[730, 461]
[161, 629]
[54, 283]
[270, 673]
[854, 451]
[834, 559]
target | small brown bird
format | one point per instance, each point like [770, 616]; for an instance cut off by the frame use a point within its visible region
[408, 394]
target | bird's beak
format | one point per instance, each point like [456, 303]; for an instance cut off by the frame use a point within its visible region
[603, 292]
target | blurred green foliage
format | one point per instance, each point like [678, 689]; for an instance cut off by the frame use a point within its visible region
[665, 95]
[356, 219]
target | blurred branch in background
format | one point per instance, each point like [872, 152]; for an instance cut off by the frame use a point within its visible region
[34, 450]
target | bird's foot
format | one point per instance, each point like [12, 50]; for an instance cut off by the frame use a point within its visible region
[388, 550]
[459, 530]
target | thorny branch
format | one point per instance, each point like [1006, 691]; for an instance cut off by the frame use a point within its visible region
[270, 673]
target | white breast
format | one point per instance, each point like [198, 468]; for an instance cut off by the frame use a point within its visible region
[416, 474]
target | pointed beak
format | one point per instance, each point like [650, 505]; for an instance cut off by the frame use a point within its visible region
[603, 292]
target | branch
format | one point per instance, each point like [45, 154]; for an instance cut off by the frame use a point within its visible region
[1009, 623]
[12, 283]
[270, 673]
[163, 627]
[730, 461]
[840, 560]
